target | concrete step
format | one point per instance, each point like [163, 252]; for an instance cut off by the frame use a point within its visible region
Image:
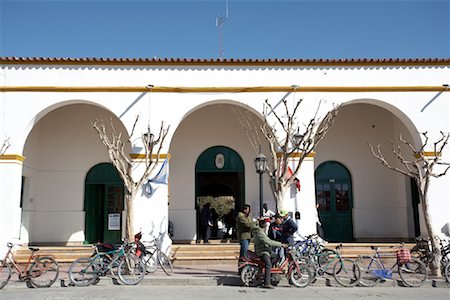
[200, 253]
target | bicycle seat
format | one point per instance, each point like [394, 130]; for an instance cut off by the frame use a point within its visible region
[33, 249]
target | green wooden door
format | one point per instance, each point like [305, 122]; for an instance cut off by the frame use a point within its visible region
[94, 207]
[112, 231]
[334, 197]
[103, 204]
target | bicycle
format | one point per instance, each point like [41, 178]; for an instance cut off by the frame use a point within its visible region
[153, 256]
[40, 271]
[87, 270]
[412, 272]
[422, 250]
[345, 271]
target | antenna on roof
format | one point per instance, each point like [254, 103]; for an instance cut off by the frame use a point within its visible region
[219, 23]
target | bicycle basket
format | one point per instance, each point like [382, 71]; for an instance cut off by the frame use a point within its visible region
[403, 256]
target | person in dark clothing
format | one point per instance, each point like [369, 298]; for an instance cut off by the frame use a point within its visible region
[275, 228]
[206, 221]
[231, 223]
[289, 227]
[215, 223]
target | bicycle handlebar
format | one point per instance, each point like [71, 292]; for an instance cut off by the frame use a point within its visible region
[10, 245]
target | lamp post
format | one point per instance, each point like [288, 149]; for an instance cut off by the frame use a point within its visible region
[261, 165]
[297, 139]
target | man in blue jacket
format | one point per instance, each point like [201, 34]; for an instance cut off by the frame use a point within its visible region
[289, 227]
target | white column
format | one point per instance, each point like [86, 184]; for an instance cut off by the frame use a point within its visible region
[10, 187]
[303, 201]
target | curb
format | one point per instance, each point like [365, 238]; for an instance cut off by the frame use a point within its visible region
[224, 280]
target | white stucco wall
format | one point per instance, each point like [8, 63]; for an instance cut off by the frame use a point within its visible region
[55, 168]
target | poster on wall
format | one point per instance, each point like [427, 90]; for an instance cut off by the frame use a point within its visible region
[114, 221]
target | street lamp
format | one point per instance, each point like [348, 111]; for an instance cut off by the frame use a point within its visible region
[297, 138]
[261, 165]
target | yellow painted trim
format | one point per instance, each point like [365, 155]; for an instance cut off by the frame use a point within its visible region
[142, 156]
[255, 89]
[12, 157]
[312, 154]
[429, 154]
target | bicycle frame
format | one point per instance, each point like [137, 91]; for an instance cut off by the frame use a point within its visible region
[9, 259]
[114, 256]
[383, 273]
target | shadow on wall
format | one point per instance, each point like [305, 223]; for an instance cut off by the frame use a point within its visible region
[446, 229]
[159, 235]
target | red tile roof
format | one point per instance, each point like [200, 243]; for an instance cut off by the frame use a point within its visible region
[225, 62]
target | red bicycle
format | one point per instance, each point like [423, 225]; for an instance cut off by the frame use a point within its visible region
[40, 271]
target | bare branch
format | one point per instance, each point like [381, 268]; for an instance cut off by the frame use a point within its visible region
[4, 146]
[423, 166]
[134, 126]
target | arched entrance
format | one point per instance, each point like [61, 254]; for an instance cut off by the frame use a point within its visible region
[219, 180]
[103, 204]
[335, 200]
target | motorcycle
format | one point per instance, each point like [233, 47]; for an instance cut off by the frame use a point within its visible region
[252, 270]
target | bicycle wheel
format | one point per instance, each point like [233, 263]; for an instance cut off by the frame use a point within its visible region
[5, 273]
[131, 270]
[83, 271]
[250, 275]
[413, 273]
[302, 277]
[43, 272]
[346, 272]
[150, 262]
[446, 272]
[324, 257]
[165, 263]
[369, 268]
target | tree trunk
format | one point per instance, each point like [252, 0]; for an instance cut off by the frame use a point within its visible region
[279, 197]
[129, 220]
[436, 252]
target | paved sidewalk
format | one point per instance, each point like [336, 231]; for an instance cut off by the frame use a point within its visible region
[207, 275]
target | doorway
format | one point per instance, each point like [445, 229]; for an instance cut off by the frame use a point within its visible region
[335, 201]
[103, 204]
[220, 181]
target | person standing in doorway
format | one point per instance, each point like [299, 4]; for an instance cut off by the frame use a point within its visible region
[206, 221]
[244, 225]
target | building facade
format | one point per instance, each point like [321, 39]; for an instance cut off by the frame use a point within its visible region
[57, 185]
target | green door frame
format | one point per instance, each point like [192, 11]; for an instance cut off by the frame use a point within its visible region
[335, 198]
[103, 204]
[216, 162]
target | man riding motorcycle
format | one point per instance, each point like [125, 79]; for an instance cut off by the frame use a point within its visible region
[263, 246]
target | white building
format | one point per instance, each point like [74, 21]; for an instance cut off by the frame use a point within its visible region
[57, 186]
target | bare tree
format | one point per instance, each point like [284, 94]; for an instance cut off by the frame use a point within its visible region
[420, 167]
[294, 139]
[4, 146]
[120, 158]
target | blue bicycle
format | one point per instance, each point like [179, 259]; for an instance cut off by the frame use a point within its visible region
[413, 272]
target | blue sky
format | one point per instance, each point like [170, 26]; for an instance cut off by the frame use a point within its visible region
[254, 29]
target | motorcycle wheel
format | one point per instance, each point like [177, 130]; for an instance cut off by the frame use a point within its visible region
[250, 275]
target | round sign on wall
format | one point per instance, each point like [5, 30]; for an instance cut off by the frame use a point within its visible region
[220, 161]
